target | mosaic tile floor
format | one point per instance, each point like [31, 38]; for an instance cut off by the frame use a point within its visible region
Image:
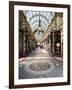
[40, 66]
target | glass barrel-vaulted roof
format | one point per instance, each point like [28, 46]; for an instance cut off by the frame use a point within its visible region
[39, 19]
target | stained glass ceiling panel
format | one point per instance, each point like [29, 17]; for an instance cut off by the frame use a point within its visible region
[39, 21]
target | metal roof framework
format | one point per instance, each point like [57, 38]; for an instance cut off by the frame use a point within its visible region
[38, 20]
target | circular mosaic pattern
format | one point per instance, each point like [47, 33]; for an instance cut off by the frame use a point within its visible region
[39, 67]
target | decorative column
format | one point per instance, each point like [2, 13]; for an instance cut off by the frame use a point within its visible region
[53, 43]
[62, 42]
[50, 43]
[24, 39]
